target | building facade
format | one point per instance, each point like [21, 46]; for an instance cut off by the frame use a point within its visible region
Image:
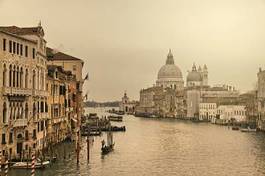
[261, 100]
[218, 94]
[75, 66]
[61, 103]
[229, 113]
[207, 111]
[166, 98]
[127, 106]
[23, 94]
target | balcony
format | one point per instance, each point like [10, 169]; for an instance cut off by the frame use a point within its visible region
[16, 91]
[20, 123]
[57, 120]
[40, 93]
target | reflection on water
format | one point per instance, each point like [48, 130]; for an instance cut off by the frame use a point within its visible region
[166, 147]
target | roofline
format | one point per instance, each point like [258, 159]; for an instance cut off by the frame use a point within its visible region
[17, 36]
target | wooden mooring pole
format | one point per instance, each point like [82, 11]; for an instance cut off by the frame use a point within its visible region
[87, 140]
[33, 164]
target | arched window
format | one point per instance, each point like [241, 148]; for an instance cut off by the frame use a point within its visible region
[10, 76]
[21, 78]
[4, 113]
[17, 79]
[14, 76]
[34, 79]
[26, 78]
[11, 111]
[4, 75]
[26, 111]
[21, 111]
[34, 109]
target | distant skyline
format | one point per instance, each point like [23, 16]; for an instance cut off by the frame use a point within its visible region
[125, 42]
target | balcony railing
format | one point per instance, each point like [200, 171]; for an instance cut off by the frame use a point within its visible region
[20, 122]
[16, 91]
[40, 93]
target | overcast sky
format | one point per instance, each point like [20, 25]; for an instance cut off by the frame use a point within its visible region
[125, 42]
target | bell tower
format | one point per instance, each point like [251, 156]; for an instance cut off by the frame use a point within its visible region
[205, 75]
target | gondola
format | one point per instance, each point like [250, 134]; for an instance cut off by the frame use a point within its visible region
[105, 149]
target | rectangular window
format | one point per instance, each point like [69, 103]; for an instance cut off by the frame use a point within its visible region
[26, 51]
[34, 134]
[3, 138]
[10, 46]
[10, 138]
[4, 44]
[17, 48]
[33, 53]
[27, 135]
[21, 49]
[14, 47]
[74, 67]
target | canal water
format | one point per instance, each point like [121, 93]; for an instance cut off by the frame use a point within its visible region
[165, 147]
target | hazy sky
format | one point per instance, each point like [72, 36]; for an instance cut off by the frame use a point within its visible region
[125, 42]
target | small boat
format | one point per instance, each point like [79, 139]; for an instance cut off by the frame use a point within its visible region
[248, 130]
[25, 165]
[115, 118]
[91, 133]
[235, 128]
[105, 149]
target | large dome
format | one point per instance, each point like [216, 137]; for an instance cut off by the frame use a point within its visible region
[169, 71]
[170, 75]
[194, 76]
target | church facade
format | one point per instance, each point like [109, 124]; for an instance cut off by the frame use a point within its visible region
[166, 98]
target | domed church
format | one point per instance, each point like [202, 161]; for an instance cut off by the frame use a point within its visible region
[197, 77]
[170, 75]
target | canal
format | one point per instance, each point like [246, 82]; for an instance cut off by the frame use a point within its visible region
[165, 147]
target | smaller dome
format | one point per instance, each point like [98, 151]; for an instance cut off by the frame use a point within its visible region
[194, 76]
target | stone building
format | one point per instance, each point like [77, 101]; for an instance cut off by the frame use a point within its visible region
[23, 94]
[166, 98]
[220, 94]
[261, 100]
[61, 103]
[75, 66]
[148, 104]
[127, 106]
[229, 113]
[207, 111]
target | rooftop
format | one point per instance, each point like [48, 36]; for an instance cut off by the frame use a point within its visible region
[56, 55]
[23, 30]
